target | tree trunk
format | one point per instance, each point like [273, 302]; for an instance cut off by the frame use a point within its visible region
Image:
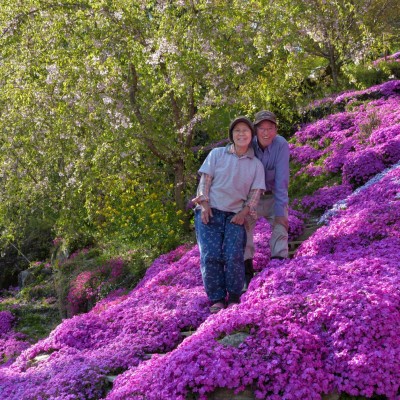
[179, 191]
[334, 66]
[179, 184]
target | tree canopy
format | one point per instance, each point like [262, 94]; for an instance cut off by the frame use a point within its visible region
[102, 101]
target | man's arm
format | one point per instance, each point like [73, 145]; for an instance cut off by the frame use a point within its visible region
[281, 185]
[249, 207]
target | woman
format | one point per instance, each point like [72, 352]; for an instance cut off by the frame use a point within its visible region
[231, 181]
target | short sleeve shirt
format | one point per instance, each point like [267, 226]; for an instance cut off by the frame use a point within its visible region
[232, 177]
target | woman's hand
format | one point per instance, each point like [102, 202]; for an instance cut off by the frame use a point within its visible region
[206, 212]
[239, 218]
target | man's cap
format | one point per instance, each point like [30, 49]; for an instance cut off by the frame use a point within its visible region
[246, 120]
[264, 115]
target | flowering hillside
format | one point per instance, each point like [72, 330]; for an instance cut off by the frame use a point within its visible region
[345, 149]
[323, 322]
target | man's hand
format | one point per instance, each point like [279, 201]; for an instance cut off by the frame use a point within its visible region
[206, 212]
[240, 216]
[282, 221]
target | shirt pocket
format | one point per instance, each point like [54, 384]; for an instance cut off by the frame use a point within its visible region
[270, 175]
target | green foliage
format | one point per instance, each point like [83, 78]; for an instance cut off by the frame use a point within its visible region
[36, 315]
[37, 319]
[302, 185]
[363, 76]
[136, 211]
[102, 92]
[394, 68]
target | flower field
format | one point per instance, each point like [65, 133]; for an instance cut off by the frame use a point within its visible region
[325, 321]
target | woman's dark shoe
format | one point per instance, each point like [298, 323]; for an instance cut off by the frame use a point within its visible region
[217, 306]
[233, 299]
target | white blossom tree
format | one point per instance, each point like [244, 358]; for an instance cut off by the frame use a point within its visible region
[102, 101]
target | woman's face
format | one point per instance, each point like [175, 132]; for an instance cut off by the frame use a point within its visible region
[241, 134]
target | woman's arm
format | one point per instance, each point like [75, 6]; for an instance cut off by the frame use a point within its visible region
[202, 198]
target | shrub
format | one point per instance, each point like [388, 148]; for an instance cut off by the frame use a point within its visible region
[361, 166]
[6, 321]
[363, 76]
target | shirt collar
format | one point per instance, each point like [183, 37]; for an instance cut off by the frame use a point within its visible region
[230, 148]
[255, 142]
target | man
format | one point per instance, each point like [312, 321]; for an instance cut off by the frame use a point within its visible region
[273, 151]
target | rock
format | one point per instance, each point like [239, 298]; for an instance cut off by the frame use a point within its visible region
[331, 396]
[38, 359]
[111, 378]
[228, 394]
[234, 340]
[59, 255]
[25, 278]
[148, 356]
[187, 333]
[41, 357]
[47, 271]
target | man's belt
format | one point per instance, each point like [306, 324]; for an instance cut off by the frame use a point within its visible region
[267, 193]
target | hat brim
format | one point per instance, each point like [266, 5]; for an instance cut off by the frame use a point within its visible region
[246, 120]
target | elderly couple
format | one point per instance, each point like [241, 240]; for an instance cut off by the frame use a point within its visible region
[246, 179]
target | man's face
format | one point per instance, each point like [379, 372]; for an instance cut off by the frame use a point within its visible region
[266, 132]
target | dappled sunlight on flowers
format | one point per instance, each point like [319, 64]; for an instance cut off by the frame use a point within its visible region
[358, 143]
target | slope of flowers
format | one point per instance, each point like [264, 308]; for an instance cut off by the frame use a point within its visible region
[318, 323]
[355, 144]
[323, 322]
[339, 100]
[116, 335]
[390, 58]
[369, 216]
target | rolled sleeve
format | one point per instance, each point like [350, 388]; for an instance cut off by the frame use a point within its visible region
[203, 190]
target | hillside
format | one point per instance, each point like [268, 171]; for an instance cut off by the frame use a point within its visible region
[322, 323]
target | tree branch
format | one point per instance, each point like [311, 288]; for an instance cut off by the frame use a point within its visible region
[21, 17]
[133, 90]
[174, 103]
[14, 153]
[192, 113]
